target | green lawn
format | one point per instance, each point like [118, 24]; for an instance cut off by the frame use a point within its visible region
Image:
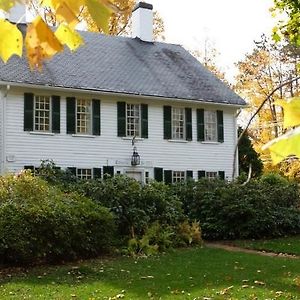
[290, 245]
[181, 274]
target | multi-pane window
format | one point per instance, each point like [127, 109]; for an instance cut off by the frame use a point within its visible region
[84, 174]
[42, 113]
[133, 123]
[83, 116]
[211, 175]
[178, 176]
[178, 128]
[210, 127]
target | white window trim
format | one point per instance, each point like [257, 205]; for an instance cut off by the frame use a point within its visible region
[140, 121]
[92, 173]
[211, 178]
[215, 141]
[50, 115]
[184, 125]
[184, 177]
[91, 119]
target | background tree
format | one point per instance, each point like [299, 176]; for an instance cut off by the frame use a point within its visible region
[208, 57]
[248, 156]
[268, 66]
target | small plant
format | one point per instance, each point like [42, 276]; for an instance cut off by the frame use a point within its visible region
[189, 233]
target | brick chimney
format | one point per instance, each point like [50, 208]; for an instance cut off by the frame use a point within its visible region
[142, 21]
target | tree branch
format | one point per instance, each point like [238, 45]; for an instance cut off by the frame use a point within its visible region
[254, 115]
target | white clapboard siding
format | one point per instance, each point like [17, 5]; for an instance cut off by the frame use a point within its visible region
[24, 148]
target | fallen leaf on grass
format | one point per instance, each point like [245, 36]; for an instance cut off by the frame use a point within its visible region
[259, 282]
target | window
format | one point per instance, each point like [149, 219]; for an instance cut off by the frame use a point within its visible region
[210, 126]
[178, 123]
[211, 175]
[147, 178]
[178, 176]
[83, 116]
[133, 120]
[42, 113]
[84, 173]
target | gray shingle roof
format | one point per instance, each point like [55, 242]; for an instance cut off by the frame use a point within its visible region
[127, 66]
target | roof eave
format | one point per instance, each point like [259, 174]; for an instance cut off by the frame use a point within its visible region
[124, 94]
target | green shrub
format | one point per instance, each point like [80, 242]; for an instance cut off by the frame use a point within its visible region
[39, 222]
[267, 207]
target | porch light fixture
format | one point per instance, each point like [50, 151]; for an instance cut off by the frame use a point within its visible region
[135, 158]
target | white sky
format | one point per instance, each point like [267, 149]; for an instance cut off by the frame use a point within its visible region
[230, 25]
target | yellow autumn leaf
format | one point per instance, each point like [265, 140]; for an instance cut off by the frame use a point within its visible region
[11, 41]
[284, 146]
[100, 14]
[64, 13]
[69, 37]
[291, 111]
[41, 43]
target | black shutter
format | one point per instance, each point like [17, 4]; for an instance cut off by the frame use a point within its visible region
[31, 168]
[200, 125]
[188, 124]
[220, 126]
[96, 173]
[144, 120]
[56, 114]
[121, 119]
[201, 174]
[168, 176]
[158, 174]
[221, 175]
[167, 122]
[96, 117]
[72, 170]
[108, 170]
[28, 112]
[189, 174]
[71, 115]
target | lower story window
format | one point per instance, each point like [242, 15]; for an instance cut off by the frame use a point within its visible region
[178, 176]
[211, 175]
[84, 174]
[147, 177]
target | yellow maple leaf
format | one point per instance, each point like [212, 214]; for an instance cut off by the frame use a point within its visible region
[284, 146]
[11, 41]
[291, 111]
[100, 13]
[41, 43]
[69, 37]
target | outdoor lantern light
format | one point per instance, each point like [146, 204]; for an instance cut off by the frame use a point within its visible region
[135, 158]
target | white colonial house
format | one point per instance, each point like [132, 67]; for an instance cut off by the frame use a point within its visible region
[85, 109]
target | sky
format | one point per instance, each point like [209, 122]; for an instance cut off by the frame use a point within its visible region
[230, 26]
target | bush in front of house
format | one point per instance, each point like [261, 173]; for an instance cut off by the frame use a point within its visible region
[267, 207]
[135, 206]
[40, 223]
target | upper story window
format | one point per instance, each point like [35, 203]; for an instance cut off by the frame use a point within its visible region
[210, 126]
[178, 123]
[83, 116]
[133, 120]
[42, 113]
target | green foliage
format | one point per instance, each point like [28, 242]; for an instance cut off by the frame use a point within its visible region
[40, 223]
[266, 207]
[189, 233]
[247, 156]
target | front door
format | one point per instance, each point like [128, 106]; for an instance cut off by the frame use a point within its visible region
[135, 175]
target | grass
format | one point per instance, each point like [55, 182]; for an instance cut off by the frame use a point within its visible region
[181, 274]
[289, 245]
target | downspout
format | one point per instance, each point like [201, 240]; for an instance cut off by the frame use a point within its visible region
[3, 129]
